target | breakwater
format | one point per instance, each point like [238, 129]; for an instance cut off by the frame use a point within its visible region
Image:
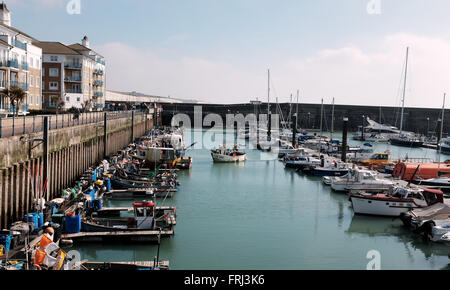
[418, 120]
[31, 168]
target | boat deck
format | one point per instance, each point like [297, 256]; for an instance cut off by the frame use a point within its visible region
[139, 192]
[133, 236]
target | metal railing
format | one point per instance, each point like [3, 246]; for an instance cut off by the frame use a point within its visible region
[72, 79]
[19, 44]
[73, 65]
[20, 125]
[70, 91]
[13, 63]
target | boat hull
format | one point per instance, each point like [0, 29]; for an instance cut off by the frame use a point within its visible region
[406, 143]
[220, 158]
[380, 207]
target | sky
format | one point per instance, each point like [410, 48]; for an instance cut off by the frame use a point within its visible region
[219, 51]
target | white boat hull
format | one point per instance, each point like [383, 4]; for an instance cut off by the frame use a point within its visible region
[365, 206]
[220, 158]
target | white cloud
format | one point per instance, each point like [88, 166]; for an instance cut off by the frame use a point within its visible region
[350, 74]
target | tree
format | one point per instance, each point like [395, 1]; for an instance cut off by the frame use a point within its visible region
[59, 104]
[15, 95]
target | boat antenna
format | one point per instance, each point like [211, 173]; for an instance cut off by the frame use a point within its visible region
[404, 91]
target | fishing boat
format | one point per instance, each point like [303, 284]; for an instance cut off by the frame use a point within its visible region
[363, 153]
[225, 155]
[145, 218]
[394, 203]
[168, 157]
[361, 179]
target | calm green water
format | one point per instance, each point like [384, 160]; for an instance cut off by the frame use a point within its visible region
[260, 216]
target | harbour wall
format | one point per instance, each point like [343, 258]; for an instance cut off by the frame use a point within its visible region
[71, 151]
[415, 119]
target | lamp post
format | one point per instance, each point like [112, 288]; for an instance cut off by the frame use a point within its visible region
[428, 126]
[362, 129]
[309, 120]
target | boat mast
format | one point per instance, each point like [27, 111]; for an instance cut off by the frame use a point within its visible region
[442, 128]
[296, 110]
[268, 103]
[404, 91]
[332, 121]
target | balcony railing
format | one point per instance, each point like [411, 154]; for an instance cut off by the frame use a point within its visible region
[13, 84]
[73, 65]
[19, 44]
[100, 61]
[13, 63]
[72, 79]
[98, 83]
[24, 66]
[69, 91]
[98, 94]
[99, 72]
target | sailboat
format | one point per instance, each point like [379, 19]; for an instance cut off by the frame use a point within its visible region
[441, 181]
[266, 145]
[404, 138]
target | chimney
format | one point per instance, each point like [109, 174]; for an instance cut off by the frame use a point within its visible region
[85, 42]
[5, 15]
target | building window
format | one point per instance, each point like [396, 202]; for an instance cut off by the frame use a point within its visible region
[37, 82]
[37, 100]
[31, 81]
[2, 79]
[54, 72]
[43, 71]
[53, 58]
[78, 99]
[43, 85]
[53, 86]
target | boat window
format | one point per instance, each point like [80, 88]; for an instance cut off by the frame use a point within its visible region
[139, 212]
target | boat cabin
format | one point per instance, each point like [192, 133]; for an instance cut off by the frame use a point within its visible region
[144, 214]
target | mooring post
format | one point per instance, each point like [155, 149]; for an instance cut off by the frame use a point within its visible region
[45, 155]
[294, 132]
[105, 135]
[132, 126]
[344, 140]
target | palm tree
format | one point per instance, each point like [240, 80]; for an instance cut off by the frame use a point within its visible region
[15, 95]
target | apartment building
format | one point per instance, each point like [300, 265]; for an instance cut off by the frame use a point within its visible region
[20, 65]
[73, 76]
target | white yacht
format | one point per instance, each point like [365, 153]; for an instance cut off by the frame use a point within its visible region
[360, 179]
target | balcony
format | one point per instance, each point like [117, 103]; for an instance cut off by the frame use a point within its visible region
[24, 86]
[72, 79]
[73, 65]
[2, 84]
[98, 83]
[13, 63]
[76, 91]
[19, 44]
[100, 61]
[13, 84]
[24, 66]
[99, 72]
[98, 94]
